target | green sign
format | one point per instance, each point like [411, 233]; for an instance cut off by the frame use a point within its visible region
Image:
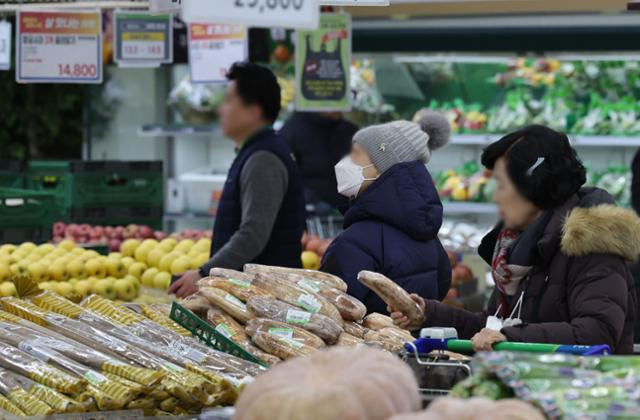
[323, 62]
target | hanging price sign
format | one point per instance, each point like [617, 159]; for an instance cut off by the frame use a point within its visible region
[260, 13]
[142, 39]
[165, 6]
[59, 47]
[5, 45]
[213, 48]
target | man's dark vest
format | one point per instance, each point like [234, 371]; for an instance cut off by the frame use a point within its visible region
[283, 247]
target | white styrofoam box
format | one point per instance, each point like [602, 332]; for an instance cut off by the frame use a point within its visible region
[203, 188]
[175, 196]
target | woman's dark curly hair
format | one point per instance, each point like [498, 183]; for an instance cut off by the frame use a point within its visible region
[541, 163]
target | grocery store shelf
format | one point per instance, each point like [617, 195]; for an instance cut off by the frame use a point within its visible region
[453, 208]
[577, 141]
[159, 130]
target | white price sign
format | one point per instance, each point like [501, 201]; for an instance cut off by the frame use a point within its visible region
[5, 45]
[165, 6]
[59, 47]
[213, 48]
[143, 39]
[260, 13]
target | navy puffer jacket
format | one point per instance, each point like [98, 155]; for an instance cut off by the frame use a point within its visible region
[392, 228]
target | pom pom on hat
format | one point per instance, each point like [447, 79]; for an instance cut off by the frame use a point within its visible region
[436, 126]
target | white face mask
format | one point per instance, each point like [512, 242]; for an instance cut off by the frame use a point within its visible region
[350, 177]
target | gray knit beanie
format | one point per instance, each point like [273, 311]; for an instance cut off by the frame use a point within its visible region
[404, 141]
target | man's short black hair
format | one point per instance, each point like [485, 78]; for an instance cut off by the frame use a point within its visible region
[541, 163]
[257, 85]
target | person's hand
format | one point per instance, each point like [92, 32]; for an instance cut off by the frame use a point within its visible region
[400, 319]
[486, 338]
[185, 285]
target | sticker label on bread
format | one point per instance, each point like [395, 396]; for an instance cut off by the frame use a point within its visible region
[240, 283]
[281, 332]
[309, 285]
[298, 317]
[224, 329]
[291, 342]
[309, 303]
[234, 300]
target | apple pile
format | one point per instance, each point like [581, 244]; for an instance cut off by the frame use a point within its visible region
[69, 270]
[113, 236]
[460, 274]
[162, 259]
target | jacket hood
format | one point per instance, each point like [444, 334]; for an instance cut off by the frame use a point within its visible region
[405, 197]
[597, 227]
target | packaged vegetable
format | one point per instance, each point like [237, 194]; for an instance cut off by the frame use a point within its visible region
[320, 325]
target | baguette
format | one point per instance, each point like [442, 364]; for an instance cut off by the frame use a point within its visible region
[241, 289]
[326, 278]
[230, 328]
[281, 347]
[394, 296]
[320, 325]
[354, 328]
[283, 329]
[231, 274]
[387, 342]
[376, 321]
[197, 304]
[295, 295]
[227, 302]
[349, 340]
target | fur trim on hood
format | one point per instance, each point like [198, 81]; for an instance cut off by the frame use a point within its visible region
[602, 229]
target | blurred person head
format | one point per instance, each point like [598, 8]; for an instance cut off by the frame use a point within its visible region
[251, 102]
[379, 147]
[535, 169]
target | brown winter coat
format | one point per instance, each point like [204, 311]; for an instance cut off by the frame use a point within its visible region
[580, 290]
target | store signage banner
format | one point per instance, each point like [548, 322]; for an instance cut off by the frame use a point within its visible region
[323, 65]
[213, 48]
[59, 47]
[142, 39]
[5, 45]
[259, 13]
[165, 6]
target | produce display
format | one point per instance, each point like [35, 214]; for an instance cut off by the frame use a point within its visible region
[60, 357]
[359, 384]
[113, 236]
[314, 249]
[562, 386]
[277, 313]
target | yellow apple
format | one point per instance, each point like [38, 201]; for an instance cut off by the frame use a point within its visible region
[124, 290]
[198, 261]
[58, 271]
[88, 254]
[115, 267]
[46, 285]
[7, 249]
[63, 289]
[185, 245]
[310, 260]
[82, 287]
[148, 276]
[129, 246]
[150, 242]
[73, 281]
[162, 280]
[7, 288]
[203, 245]
[77, 251]
[94, 267]
[5, 272]
[27, 247]
[44, 249]
[76, 269]
[167, 244]
[167, 260]
[142, 252]
[154, 256]
[104, 288]
[127, 261]
[66, 244]
[115, 255]
[137, 268]
[180, 265]
[38, 271]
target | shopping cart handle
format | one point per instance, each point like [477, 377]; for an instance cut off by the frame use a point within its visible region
[427, 345]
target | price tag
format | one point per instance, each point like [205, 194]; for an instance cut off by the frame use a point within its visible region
[309, 285]
[260, 13]
[297, 317]
[5, 45]
[240, 283]
[213, 48]
[291, 342]
[59, 47]
[142, 39]
[309, 303]
[165, 6]
[223, 329]
[282, 332]
[94, 378]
